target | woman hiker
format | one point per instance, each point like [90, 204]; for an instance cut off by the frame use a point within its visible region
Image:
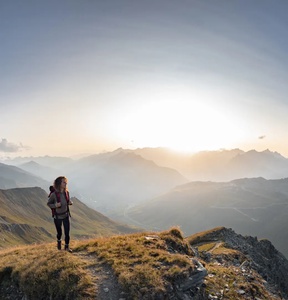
[59, 202]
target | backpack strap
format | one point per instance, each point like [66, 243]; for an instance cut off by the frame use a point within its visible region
[67, 196]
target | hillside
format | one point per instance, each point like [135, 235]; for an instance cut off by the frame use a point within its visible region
[11, 177]
[25, 218]
[216, 264]
[256, 207]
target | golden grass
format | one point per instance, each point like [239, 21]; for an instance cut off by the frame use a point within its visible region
[143, 264]
[206, 247]
[198, 237]
[42, 270]
[147, 264]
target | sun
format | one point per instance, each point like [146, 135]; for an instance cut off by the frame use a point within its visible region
[179, 123]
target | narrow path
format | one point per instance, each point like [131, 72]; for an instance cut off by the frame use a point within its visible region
[106, 283]
[217, 245]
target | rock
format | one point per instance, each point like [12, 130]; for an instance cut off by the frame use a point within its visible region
[152, 237]
[241, 292]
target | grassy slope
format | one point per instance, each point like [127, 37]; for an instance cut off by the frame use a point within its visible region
[147, 265]
[28, 206]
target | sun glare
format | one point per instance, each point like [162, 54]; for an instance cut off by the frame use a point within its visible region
[179, 125]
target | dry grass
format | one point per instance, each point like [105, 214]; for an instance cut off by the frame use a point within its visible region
[143, 262]
[41, 270]
[206, 247]
[147, 266]
[230, 280]
[201, 236]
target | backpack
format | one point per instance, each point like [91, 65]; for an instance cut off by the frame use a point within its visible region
[53, 210]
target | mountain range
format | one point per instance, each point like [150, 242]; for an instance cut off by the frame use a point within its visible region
[144, 188]
[153, 189]
[253, 206]
[107, 182]
[222, 165]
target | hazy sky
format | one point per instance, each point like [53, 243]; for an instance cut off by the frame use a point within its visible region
[88, 75]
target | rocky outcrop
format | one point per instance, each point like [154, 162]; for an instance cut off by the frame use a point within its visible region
[191, 286]
[260, 255]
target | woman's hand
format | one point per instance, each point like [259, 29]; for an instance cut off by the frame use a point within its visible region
[58, 204]
[70, 202]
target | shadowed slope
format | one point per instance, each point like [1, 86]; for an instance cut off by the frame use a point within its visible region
[251, 206]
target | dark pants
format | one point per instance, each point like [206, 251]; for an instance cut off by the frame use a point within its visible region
[66, 224]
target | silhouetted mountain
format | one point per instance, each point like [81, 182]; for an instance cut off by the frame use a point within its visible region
[25, 218]
[222, 165]
[49, 161]
[44, 172]
[204, 165]
[110, 182]
[250, 206]
[11, 177]
[267, 164]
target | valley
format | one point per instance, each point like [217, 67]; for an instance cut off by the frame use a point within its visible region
[143, 188]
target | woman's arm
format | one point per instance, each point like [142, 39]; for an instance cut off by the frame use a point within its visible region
[52, 201]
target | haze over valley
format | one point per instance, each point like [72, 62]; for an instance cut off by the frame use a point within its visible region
[129, 187]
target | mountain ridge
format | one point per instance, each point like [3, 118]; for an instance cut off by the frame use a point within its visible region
[214, 264]
[12, 176]
[254, 206]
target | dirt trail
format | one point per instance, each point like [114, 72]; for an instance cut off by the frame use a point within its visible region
[217, 245]
[106, 283]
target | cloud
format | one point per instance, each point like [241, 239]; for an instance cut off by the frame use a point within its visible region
[261, 137]
[6, 146]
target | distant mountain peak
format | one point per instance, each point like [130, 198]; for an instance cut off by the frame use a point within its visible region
[31, 163]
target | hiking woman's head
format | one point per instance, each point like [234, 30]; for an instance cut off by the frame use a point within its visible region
[60, 184]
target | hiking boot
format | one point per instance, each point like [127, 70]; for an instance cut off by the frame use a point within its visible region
[67, 248]
[59, 244]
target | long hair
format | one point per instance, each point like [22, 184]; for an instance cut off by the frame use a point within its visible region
[57, 183]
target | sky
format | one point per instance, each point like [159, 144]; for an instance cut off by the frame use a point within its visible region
[92, 76]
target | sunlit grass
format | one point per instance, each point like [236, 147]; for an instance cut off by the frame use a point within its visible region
[42, 270]
[141, 262]
[145, 264]
[230, 280]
